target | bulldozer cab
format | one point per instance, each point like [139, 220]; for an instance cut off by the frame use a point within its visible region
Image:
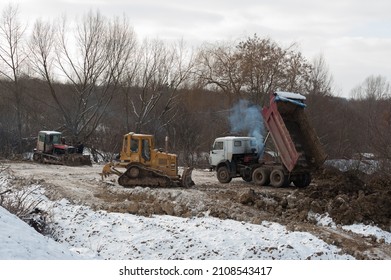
[47, 140]
[140, 148]
[137, 148]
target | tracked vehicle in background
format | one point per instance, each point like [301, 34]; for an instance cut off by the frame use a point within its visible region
[297, 149]
[51, 149]
[140, 164]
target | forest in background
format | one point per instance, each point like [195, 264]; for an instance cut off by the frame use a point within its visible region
[93, 80]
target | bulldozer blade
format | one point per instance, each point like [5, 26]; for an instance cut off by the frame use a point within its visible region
[108, 169]
[187, 181]
[76, 160]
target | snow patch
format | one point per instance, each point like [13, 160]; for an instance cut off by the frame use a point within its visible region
[323, 220]
[368, 231]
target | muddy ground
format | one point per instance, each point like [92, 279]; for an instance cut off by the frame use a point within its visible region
[347, 197]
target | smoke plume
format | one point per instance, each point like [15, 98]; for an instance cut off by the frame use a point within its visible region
[247, 119]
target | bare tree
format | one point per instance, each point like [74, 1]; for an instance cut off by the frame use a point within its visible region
[320, 80]
[373, 88]
[218, 67]
[12, 58]
[263, 66]
[92, 62]
[374, 104]
[371, 100]
[381, 135]
[155, 82]
[253, 68]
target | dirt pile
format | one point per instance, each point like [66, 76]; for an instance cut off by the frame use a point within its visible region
[351, 197]
[348, 197]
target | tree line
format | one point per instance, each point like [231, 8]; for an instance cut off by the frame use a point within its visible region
[94, 80]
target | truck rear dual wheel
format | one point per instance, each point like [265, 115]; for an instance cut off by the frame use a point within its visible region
[278, 178]
[261, 176]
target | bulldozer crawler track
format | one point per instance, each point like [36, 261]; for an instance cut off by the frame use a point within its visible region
[137, 175]
[69, 160]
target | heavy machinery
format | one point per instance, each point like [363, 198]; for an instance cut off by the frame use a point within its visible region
[51, 148]
[146, 166]
[298, 151]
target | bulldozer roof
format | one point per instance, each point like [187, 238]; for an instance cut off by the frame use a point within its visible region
[139, 134]
[50, 132]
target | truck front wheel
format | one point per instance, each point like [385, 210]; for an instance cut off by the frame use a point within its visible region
[261, 176]
[278, 178]
[223, 175]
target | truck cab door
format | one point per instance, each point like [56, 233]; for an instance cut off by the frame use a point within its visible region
[217, 154]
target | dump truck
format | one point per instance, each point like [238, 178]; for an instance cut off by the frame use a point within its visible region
[297, 149]
[140, 164]
[51, 148]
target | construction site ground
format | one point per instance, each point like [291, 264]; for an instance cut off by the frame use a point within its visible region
[346, 197]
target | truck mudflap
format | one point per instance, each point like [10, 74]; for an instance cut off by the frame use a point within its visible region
[294, 137]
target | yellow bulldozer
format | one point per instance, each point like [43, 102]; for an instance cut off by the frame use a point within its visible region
[145, 166]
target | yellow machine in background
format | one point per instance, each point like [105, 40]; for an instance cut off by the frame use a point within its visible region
[146, 166]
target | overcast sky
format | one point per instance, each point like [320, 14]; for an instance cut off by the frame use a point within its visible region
[354, 36]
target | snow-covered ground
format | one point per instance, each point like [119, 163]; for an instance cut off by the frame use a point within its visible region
[84, 234]
[87, 234]
[368, 166]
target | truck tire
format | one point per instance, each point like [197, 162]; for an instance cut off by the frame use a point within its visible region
[223, 175]
[261, 176]
[303, 180]
[278, 178]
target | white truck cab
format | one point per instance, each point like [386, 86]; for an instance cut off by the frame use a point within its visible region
[231, 155]
[224, 148]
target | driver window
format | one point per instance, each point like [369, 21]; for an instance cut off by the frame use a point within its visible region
[218, 146]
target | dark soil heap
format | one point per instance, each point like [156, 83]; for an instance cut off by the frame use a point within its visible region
[351, 197]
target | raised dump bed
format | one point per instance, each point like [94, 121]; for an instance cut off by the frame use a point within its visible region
[298, 149]
[295, 139]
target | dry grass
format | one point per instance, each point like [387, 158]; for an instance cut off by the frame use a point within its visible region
[17, 198]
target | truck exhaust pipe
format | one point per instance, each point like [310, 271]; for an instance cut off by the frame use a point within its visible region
[166, 143]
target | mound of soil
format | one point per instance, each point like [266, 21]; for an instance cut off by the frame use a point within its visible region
[350, 197]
